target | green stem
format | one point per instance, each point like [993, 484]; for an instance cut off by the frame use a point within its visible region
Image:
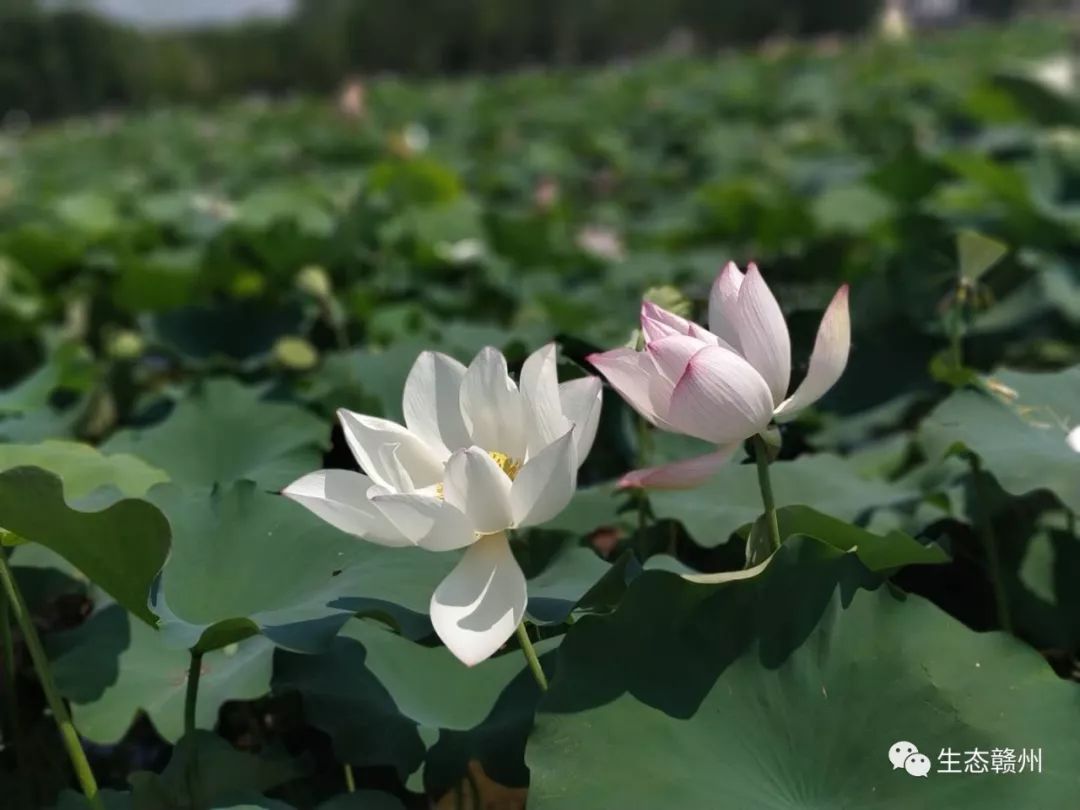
[530, 656]
[9, 686]
[191, 701]
[7, 651]
[350, 778]
[989, 537]
[761, 458]
[191, 694]
[643, 455]
[59, 710]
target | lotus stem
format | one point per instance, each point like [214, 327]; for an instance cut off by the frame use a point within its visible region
[191, 694]
[644, 452]
[761, 458]
[7, 651]
[68, 734]
[191, 700]
[9, 685]
[530, 656]
[989, 538]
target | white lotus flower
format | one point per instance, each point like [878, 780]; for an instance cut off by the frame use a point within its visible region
[1073, 439]
[726, 383]
[478, 455]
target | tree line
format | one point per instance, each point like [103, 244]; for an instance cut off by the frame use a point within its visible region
[65, 60]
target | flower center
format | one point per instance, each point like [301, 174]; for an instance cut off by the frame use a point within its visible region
[510, 466]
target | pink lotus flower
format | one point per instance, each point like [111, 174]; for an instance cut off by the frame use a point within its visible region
[726, 383]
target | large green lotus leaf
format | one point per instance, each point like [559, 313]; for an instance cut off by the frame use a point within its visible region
[556, 590]
[219, 776]
[1042, 597]
[26, 410]
[226, 333]
[591, 508]
[1051, 291]
[1018, 430]
[363, 800]
[113, 799]
[876, 552]
[731, 498]
[379, 695]
[225, 431]
[246, 561]
[159, 280]
[366, 380]
[44, 576]
[120, 547]
[291, 200]
[787, 690]
[90, 212]
[83, 468]
[110, 668]
[853, 209]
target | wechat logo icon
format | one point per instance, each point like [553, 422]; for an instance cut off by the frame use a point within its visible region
[905, 755]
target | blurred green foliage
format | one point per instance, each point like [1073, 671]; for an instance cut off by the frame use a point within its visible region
[68, 61]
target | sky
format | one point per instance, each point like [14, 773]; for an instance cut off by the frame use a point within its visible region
[173, 13]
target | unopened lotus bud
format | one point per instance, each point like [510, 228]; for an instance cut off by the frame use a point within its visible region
[602, 243]
[125, 345]
[314, 281]
[295, 354]
[248, 284]
[352, 99]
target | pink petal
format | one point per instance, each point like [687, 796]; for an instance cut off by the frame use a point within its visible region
[723, 301]
[657, 322]
[669, 357]
[829, 358]
[720, 398]
[679, 474]
[763, 333]
[627, 372]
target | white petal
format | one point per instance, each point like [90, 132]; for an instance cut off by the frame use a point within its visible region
[481, 602]
[723, 302]
[763, 333]
[340, 498]
[427, 520]
[539, 386]
[628, 372]
[720, 398]
[545, 485]
[391, 468]
[829, 358]
[477, 486]
[491, 405]
[680, 474]
[432, 402]
[581, 402]
[1073, 439]
[368, 436]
